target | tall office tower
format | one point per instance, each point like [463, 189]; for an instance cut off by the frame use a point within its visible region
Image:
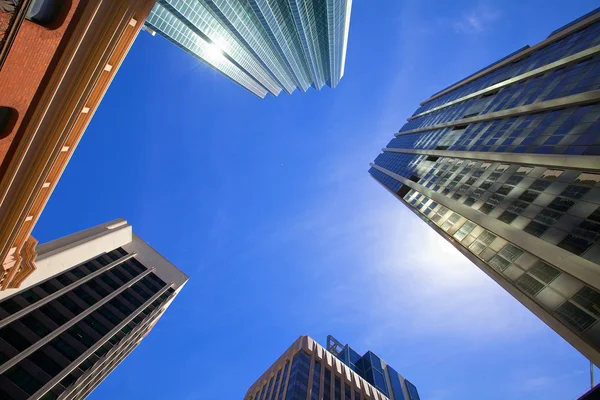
[263, 45]
[57, 58]
[307, 371]
[505, 165]
[94, 296]
[376, 371]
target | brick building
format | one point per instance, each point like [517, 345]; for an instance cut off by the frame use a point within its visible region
[57, 59]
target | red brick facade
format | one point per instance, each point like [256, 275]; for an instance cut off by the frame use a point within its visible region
[22, 75]
[54, 77]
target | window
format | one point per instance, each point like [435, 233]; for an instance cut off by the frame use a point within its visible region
[96, 325]
[544, 272]
[109, 282]
[64, 348]
[64, 280]
[540, 185]
[486, 208]
[51, 312]
[84, 295]
[46, 363]
[514, 180]
[412, 390]
[588, 179]
[524, 170]
[78, 272]
[511, 252]
[23, 379]
[451, 221]
[98, 288]
[499, 263]
[518, 206]
[573, 316]
[120, 275]
[589, 299]
[469, 201]
[595, 216]
[495, 199]
[504, 189]
[507, 217]
[69, 304]
[327, 385]
[551, 174]
[14, 338]
[464, 230]
[68, 380]
[80, 335]
[48, 287]
[30, 296]
[575, 244]
[44, 12]
[529, 196]
[482, 241]
[529, 284]
[535, 228]
[5, 116]
[548, 216]
[561, 204]
[575, 192]
[34, 325]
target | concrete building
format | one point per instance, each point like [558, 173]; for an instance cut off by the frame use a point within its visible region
[94, 296]
[307, 371]
[505, 165]
[376, 371]
[265, 46]
[57, 58]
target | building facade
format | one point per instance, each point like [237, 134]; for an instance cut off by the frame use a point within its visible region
[95, 296]
[307, 371]
[375, 371]
[265, 46]
[505, 165]
[57, 59]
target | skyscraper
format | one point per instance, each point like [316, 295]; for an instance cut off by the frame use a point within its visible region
[376, 371]
[93, 297]
[307, 371]
[57, 59]
[266, 46]
[505, 165]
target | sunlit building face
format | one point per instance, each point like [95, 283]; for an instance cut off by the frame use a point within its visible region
[505, 165]
[266, 46]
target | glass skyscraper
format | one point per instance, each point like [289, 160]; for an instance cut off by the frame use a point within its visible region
[92, 298]
[505, 165]
[266, 46]
[307, 371]
[376, 371]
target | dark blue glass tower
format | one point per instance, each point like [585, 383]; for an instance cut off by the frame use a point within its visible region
[374, 370]
[505, 165]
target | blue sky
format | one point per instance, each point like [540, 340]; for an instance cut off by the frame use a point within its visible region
[268, 206]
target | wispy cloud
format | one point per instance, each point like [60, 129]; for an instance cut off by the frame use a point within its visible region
[477, 20]
[393, 272]
[534, 383]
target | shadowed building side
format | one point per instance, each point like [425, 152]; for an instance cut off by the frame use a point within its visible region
[94, 296]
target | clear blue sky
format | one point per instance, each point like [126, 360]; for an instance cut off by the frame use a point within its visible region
[268, 206]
